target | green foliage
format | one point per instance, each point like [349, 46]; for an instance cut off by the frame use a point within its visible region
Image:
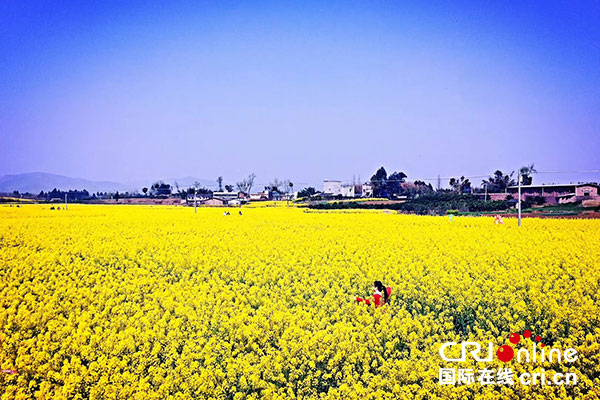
[160, 188]
[436, 203]
[499, 182]
[307, 192]
[526, 172]
[384, 186]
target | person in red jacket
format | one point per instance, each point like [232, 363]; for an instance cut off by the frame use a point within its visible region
[381, 295]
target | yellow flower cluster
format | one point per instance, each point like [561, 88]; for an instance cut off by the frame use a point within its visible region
[136, 302]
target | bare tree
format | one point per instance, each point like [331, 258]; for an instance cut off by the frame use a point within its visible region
[276, 185]
[245, 186]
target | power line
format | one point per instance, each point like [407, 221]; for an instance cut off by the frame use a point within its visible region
[482, 176]
[570, 172]
[412, 179]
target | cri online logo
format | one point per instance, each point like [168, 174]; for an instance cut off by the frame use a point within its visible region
[506, 353]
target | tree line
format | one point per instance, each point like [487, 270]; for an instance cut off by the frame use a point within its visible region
[395, 184]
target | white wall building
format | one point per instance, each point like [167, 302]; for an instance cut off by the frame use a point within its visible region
[333, 188]
[337, 188]
[349, 190]
[225, 196]
[367, 190]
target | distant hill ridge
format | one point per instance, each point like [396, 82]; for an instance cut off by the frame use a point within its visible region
[35, 182]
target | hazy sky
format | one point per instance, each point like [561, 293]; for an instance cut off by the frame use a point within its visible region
[138, 90]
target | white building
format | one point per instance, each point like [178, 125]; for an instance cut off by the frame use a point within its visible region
[259, 196]
[332, 188]
[367, 190]
[337, 188]
[350, 191]
[230, 198]
[225, 196]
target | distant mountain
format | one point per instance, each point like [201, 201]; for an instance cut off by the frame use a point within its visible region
[35, 182]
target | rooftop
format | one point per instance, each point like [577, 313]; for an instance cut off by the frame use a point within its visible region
[555, 185]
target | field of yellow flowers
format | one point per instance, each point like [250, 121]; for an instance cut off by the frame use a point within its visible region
[140, 302]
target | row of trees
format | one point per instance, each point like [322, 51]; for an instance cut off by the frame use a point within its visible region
[387, 186]
[499, 182]
[384, 185]
[394, 184]
[160, 188]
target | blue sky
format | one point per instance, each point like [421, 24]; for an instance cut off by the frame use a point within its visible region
[306, 90]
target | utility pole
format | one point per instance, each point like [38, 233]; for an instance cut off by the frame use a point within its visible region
[195, 204]
[485, 191]
[291, 188]
[65, 201]
[520, 177]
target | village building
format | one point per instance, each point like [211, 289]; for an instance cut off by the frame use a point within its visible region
[226, 196]
[367, 189]
[552, 194]
[337, 188]
[262, 196]
[214, 202]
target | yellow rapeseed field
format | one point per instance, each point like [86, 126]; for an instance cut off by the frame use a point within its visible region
[140, 302]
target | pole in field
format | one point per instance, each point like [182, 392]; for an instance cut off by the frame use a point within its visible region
[65, 201]
[195, 205]
[519, 198]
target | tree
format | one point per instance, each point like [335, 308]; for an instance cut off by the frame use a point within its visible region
[384, 186]
[229, 188]
[461, 185]
[526, 172]
[73, 195]
[201, 190]
[245, 186]
[380, 175]
[182, 193]
[498, 182]
[160, 188]
[307, 192]
[394, 183]
[422, 183]
[220, 182]
[117, 196]
[275, 186]
[379, 180]
[145, 190]
[418, 188]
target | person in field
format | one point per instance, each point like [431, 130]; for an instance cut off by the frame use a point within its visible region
[381, 295]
